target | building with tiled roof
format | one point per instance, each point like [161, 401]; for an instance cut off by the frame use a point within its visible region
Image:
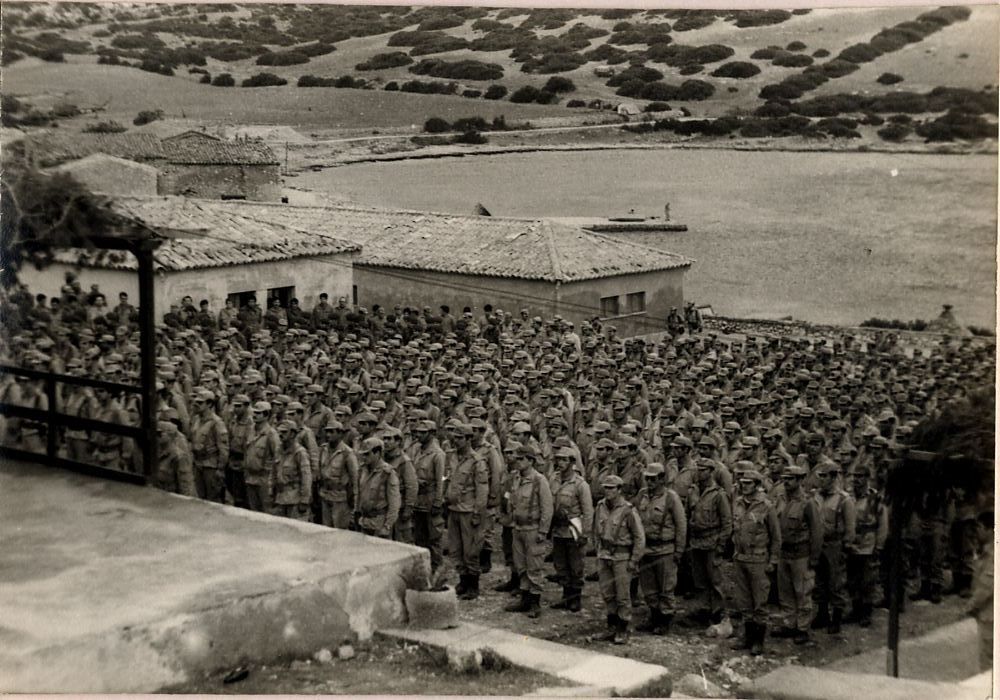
[213, 253]
[429, 259]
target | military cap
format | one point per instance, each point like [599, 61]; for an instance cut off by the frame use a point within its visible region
[627, 441]
[333, 424]
[751, 475]
[425, 425]
[682, 441]
[880, 441]
[612, 481]
[602, 426]
[295, 406]
[870, 431]
[886, 416]
[370, 445]
[241, 398]
[565, 452]
[706, 463]
[477, 423]
[605, 444]
[262, 406]
[731, 425]
[366, 417]
[282, 399]
[528, 450]
[391, 431]
[794, 471]
[706, 442]
[699, 423]
[286, 425]
[653, 469]
[205, 394]
[815, 437]
[460, 428]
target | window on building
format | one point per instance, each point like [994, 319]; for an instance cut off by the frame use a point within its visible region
[635, 303]
[283, 294]
[240, 299]
[609, 307]
[354, 294]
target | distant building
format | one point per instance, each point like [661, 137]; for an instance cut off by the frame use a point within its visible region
[604, 71]
[628, 110]
[426, 259]
[108, 174]
[191, 163]
[214, 254]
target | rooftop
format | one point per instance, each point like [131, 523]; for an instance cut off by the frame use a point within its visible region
[538, 249]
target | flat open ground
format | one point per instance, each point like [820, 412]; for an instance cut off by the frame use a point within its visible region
[823, 237]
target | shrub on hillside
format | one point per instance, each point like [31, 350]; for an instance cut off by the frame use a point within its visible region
[282, 58]
[695, 90]
[771, 110]
[889, 79]
[381, 61]
[820, 53]
[307, 81]
[316, 48]
[574, 104]
[957, 125]
[656, 107]
[871, 119]
[780, 91]
[458, 70]
[495, 92]
[206, 79]
[657, 92]
[147, 116]
[693, 20]
[441, 22]
[553, 63]
[472, 94]
[761, 18]
[607, 53]
[156, 67]
[643, 74]
[894, 132]
[838, 68]
[795, 46]
[51, 55]
[107, 127]
[470, 124]
[223, 80]
[792, 60]
[263, 80]
[859, 53]
[766, 54]
[350, 82]
[430, 87]
[392, 86]
[231, 51]
[436, 125]
[138, 41]
[559, 84]
[736, 69]
[525, 94]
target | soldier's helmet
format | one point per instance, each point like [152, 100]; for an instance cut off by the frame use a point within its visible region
[653, 469]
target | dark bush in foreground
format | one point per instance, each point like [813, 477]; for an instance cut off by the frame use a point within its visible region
[553, 63]
[559, 84]
[695, 90]
[859, 53]
[761, 18]
[263, 80]
[495, 92]
[656, 107]
[838, 68]
[147, 116]
[381, 61]
[223, 80]
[766, 54]
[138, 41]
[206, 79]
[981, 331]
[392, 86]
[472, 94]
[643, 74]
[889, 79]
[736, 69]
[470, 124]
[772, 110]
[957, 125]
[895, 324]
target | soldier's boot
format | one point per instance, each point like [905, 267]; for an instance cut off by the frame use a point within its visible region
[512, 584]
[802, 637]
[924, 592]
[522, 605]
[621, 632]
[822, 618]
[747, 640]
[757, 644]
[486, 560]
[650, 623]
[666, 621]
[835, 620]
[534, 605]
[472, 588]
[463, 585]
[966, 591]
[612, 630]
[785, 633]
[563, 603]
[935, 594]
[865, 615]
[575, 600]
[960, 583]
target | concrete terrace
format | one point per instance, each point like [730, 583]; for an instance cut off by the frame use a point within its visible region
[107, 587]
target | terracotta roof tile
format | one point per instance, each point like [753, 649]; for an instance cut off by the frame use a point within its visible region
[190, 148]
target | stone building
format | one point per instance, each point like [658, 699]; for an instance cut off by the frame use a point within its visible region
[103, 173]
[214, 254]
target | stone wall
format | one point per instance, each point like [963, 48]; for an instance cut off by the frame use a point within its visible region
[254, 182]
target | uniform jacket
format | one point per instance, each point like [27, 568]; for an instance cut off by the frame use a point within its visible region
[756, 533]
[293, 478]
[837, 510]
[801, 527]
[489, 453]
[338, 474]
[871, 527]
[262, 456]
[429, 468]
[664, 522]
[240, 436]
[468, 486]
[407, 482]
[571, 499]
[618, 532]
[711, 519]
[209, 441]
[531, 502]
[378, 499]
[174, 470]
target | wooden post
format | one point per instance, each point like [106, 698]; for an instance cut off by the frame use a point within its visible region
[147, 353]
[52, 431]
[896, 588]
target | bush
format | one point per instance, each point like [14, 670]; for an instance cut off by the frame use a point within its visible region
[206, 79]
[307, 81]
[436, 125]
[957, 125]
[470, 124]
[894, 132]
[472, 93]
[780, 91]
[231, 51]
[760, 18]
[607, 53]
[547, 98]
[108, 127]
[495, 92]
[820, 53]
[771, 110]
[859, 53]
[282, 58]
[430, 140]
[838, 68]
[350, 82]
[642, 74]
[431, 87]
[223, 80]
[792, 60]
[656, 107]
[553, 63]
[573, 104]
[889, 79]
[658, 91]
[263, 80]
[559, 84]
[695, 90]
[900, 119]
[392, 86]
[872, 120]
[147, 116]
[736, 69]
[981, 331]
[767, 54]
[156, 67]
[693, 20]
[458, 70]
[381, 61]
[796, 46]
[525, 94]
[51, 55]
[138, 41]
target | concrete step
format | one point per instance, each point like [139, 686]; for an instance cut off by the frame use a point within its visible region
[111, 588]
[590, 672]
[804, 683]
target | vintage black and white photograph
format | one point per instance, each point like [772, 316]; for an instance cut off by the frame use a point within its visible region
[470, 350]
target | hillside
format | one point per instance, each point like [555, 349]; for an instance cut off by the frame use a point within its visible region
[708, 63]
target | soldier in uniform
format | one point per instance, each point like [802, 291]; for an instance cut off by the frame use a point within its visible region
[261, 459]
[506, 519]
[711, 528]
[871, 530]
[665, 525]
[757, 543]
[428, 465]
[572, 520]
[837, 510]
[496, 468]
[801, 542]
[401, 464]
[468, 495]
[240, 436]
[210, 447]
[620, 543]
[531, 507]
[338, 477]
[378, 491]
[293, 475]
[174, 471]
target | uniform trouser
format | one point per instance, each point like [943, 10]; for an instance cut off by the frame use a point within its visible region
[427, 533]
[259, 497]
[752, 587]
[861, 575]
[962, 548]
[658, 578]
[402, 531]
[707, 577]
[685, 579]
[486, 527]
[110, 459]
[507, 543]
[236, 484]
[567, 558]
[78, 449]
[529, 559]
[795, 586]
[32, 441]
[210, 483]
[336, 514]
[294, 511]
[985, 644]
[464, 543]
[932, 553]
[831, 576]
[613, 579]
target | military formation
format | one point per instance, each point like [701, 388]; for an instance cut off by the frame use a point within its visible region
[647, 466]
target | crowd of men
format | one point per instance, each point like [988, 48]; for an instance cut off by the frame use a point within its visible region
[662, 459]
